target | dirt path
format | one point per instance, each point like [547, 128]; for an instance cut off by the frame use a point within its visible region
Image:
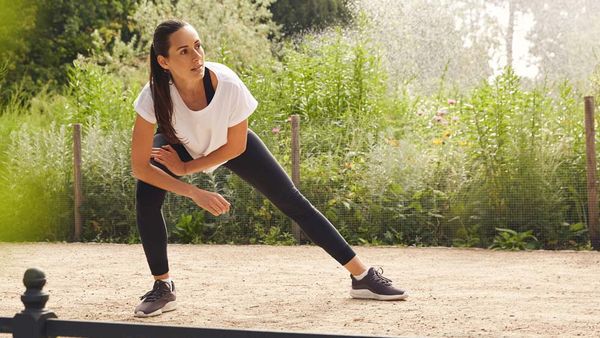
[453, 292]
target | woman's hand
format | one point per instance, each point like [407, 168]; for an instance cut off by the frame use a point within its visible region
[210, 201]
[168, 157]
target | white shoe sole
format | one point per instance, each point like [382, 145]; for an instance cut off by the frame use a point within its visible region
[366, 294]
[170, 306]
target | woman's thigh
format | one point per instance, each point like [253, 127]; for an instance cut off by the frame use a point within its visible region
[258, 167]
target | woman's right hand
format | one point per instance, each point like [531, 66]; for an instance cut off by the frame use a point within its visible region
[210, 201]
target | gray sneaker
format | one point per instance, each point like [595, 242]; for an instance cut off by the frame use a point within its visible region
[375, 286]
[156, 301]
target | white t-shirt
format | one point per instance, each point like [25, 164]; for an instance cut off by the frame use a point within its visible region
[204, 131]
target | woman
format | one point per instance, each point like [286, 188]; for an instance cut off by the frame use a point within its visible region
[201, 110]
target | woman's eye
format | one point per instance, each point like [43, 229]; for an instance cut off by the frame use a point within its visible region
[183, 51]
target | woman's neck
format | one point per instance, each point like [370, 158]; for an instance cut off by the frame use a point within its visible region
[189, 88]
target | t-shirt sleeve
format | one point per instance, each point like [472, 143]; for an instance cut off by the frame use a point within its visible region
[244, 104]
[144, 105]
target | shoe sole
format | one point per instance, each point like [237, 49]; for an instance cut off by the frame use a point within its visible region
[170, 306]
[367, 294]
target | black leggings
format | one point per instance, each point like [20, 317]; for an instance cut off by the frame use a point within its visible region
[257, 167]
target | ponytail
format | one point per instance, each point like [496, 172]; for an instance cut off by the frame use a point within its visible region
[160, 79]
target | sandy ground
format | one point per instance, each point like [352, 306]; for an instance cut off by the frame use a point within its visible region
[453, 292]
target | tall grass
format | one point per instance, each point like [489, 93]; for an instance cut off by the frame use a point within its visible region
[513, 158]
[35, 185]
[385, 166]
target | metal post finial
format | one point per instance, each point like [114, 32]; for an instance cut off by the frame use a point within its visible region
[34, 298]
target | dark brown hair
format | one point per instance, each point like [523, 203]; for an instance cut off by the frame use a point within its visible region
[160, 78]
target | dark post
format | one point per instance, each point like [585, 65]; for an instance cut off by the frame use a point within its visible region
[77, 179]
[30, 323]
[296, 231]
[592, 183]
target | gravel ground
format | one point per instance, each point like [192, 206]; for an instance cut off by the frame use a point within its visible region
[453, 292]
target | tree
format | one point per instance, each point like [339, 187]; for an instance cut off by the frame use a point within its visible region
[565, 38]
[16, 20]
[296, 16]
[234, 32]
[62, 30]
[423, 41]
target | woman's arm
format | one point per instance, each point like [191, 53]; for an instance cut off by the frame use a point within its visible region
[141, 148]
[235, 146]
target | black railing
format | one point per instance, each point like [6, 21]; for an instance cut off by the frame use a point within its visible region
[36, 321]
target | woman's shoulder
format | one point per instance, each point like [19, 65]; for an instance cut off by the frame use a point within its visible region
[224, 73]
[144, 104]
[145, 93]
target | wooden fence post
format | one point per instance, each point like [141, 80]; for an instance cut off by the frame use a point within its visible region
[77, 179]
[592, 184]
[295, 119]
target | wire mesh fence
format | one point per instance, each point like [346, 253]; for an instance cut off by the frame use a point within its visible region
[530, 200]
[395, 193]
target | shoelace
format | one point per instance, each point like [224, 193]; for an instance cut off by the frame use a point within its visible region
[156, 293]
[379, 277]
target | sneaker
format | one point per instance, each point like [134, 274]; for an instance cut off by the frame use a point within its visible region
[375, 286]
[156, 301]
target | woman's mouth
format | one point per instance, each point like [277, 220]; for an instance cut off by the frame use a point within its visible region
[197, 68]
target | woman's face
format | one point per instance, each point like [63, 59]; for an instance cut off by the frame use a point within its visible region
[186, 55]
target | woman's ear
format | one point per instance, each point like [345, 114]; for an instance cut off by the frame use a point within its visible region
[162, 61]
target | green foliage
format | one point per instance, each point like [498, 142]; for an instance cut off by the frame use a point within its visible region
[62, 30]
[297, 16]
[335, 85]
[36, 187]
[569, 236]
[513, 158]
[274, 236]
[384, 166]
[423, 217]
[234, 32]
[15, 20]
[108, 208]
[191, 228]
[467, 236]
[508, 239]
[95, 93]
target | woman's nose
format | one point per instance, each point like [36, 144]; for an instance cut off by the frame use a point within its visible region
[198, 54]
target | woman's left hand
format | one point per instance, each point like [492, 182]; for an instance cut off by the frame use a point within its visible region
[168, 157]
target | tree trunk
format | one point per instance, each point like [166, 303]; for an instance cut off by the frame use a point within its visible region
[510, 31]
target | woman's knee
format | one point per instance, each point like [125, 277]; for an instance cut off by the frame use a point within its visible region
[159, 140]
[292, 203]
[148, 196]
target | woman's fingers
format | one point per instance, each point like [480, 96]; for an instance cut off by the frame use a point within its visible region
[165, 148]
[158, 150]
[214, 212]
[211, 202]
[224, 204]
[165, 152]
[220, 208]
[220, 204]
[161, 155]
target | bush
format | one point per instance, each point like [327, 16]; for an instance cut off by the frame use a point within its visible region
[234, 32]
[36, 185]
